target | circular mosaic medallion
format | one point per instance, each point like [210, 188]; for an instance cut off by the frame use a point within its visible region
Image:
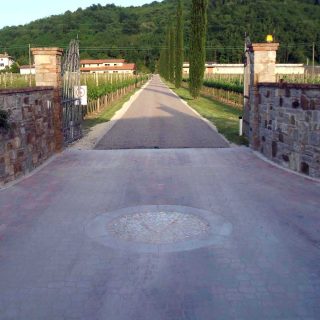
[160, 228]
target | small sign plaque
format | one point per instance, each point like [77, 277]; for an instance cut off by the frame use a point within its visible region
[81, 92]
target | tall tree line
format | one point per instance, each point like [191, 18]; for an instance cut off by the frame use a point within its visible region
[179, 46]
[172, 54]
[171, 57]
[197, 55]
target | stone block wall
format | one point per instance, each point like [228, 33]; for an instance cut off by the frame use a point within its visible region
[286, 125]
[30, 139]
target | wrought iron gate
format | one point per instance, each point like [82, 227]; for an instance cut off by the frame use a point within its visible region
[71, 105]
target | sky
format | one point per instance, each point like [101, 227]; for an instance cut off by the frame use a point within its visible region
[15, 12]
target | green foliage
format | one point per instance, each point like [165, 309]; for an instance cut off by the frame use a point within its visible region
[162, 64]
[167, 55]
[197, 45]
[5, 70]
[107, 114]
[164, 60]
[228, 85]
[224, 117]
[140, 31]
[172, 53]
[105, 86]
[15, 80]
[179, 46]
[15, 68]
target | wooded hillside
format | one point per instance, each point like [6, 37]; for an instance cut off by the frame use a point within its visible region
[137, 33]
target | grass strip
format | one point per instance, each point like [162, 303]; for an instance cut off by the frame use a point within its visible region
[224, 117]
[108, 112]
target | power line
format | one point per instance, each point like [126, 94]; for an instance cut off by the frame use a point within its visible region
[142, 48]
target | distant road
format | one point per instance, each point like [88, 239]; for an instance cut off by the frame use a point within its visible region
[158, 119]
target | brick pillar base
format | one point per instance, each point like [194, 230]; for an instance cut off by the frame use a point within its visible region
[262, 69]
[48, 73]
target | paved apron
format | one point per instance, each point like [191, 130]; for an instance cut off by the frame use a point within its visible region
[160, 234]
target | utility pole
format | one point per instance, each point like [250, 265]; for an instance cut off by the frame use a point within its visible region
[313, 53]
[30, 78]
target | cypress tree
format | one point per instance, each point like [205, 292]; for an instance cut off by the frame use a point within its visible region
[166, 62]
[197, 55]
[179, 46]
[172, 54]
[162, 63]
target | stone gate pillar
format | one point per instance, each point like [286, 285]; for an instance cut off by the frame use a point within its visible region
[48, 73]
[261, 67]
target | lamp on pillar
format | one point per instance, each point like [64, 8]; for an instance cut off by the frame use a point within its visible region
[269, 38]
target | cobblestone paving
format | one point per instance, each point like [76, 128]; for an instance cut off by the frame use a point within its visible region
[267, 268]
[158, 227]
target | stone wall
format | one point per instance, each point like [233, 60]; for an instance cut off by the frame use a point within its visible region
[285, 121]
[31, 137]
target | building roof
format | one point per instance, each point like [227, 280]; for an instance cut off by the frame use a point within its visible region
[127, 66]
[89, 61]
[5, 55]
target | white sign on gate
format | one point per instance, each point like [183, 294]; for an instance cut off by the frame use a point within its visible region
[81, 92]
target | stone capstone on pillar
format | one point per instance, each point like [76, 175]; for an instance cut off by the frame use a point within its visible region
[264, 62]
[262, 69]
[48, 66]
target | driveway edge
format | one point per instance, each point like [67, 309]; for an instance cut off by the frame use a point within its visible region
[209, 123]
[31, 173]
[263, 158]
[97, 132]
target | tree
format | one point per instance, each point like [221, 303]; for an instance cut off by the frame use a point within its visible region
[179, 46]
[197, 45]
[167, 56]
[15, 68]
[162, 64]
[172, 53]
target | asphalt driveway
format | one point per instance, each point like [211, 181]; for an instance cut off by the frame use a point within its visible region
[159, 119]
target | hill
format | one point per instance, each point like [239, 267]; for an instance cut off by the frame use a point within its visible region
[137, 33]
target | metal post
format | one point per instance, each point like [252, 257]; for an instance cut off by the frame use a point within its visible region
[30, 78]
[240, 126]
[313, 54]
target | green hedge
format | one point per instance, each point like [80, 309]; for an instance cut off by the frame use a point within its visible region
[228, 86]
[233, 85]
[95, 92]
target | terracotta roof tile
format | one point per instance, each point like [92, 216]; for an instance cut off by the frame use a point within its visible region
[88, 61]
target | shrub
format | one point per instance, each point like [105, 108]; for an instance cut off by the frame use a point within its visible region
[4, 119]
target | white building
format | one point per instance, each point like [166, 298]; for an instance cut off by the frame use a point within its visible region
[107, 66]
[27, 70]
[215, 68]
[5, 61]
